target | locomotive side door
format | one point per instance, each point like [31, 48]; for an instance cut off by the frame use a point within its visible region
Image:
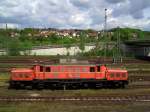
[101, 72]
[39, 72]
[97, 73]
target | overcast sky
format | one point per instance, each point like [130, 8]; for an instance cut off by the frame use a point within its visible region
[80, 14]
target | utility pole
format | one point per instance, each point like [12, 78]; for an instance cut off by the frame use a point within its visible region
[117, 55]
[105, 34]
[105, 27]
[118, 46]
[7, 35]
[6, 26]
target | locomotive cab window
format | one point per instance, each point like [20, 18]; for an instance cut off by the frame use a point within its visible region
[48, 69]
[92, 69]
[41, 69]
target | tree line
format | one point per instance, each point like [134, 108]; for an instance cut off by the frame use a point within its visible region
[24, 42]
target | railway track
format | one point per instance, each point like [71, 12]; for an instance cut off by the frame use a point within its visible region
[119, 99]
[137, 86]
[135, 78]
[51, 60]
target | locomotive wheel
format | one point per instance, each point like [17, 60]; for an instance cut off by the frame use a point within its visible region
[119, 85]
[99, 85]
[11, 85]
[40, 86]
[29, 87]
[64, 87]
[85, 85]
[122, 86]
[15, 85]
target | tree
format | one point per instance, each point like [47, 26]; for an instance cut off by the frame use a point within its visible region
[25, 47]
[13, 48]
[82, 41]
[67, 44]
[140, 35]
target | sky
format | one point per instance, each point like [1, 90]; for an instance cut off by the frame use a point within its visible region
[75, 14]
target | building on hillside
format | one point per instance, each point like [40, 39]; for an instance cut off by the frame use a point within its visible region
[14, 34]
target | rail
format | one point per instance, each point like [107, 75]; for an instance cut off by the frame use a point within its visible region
[129, 98]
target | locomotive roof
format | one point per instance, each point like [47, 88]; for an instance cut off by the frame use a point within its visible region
[70, 64]
[21, 70]
[116, 70]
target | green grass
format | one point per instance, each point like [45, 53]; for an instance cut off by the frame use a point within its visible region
[4, 75]
[13, 65]
[73, 107]
[4, 78]
[89, 92]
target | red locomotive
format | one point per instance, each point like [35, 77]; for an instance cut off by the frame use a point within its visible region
[49, 76]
